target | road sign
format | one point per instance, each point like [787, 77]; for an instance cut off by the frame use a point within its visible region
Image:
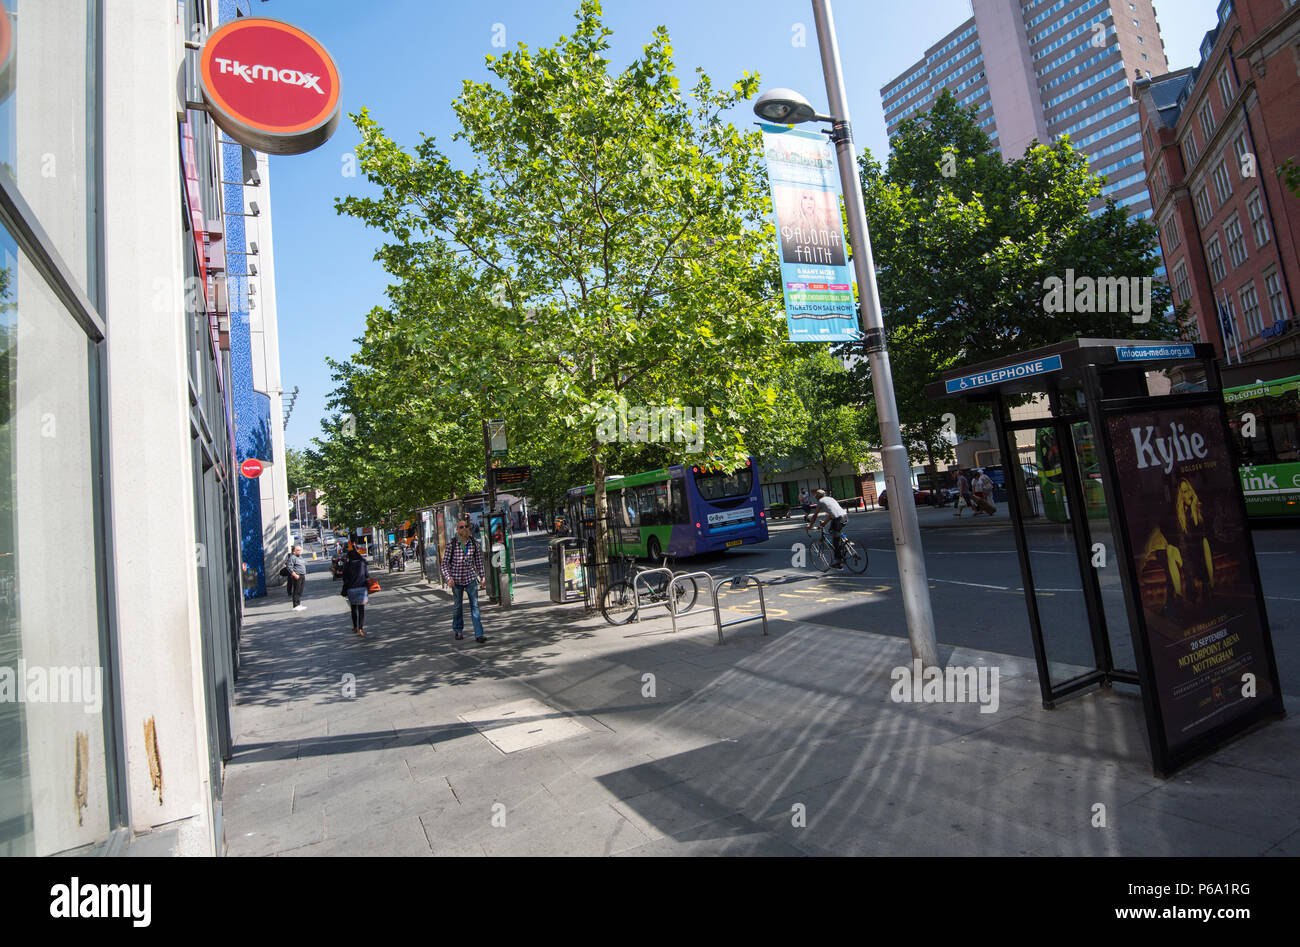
[512, 476]
[497, 438]
[995, 376]
[252, 468]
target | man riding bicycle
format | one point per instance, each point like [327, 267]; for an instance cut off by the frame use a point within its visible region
[836, 517]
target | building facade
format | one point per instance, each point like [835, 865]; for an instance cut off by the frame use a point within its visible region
[1215, 137]
[120, 591]
[1040, 69]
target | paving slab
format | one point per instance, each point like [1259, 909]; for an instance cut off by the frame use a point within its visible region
[545, 742]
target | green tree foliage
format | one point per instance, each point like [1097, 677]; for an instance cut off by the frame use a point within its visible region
[394, 443]
[963, 244]
[610, 240]
[827, 417]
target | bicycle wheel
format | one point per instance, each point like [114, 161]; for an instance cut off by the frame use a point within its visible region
[819, 554]
[685, 591]
[855, 557]
[618, 604]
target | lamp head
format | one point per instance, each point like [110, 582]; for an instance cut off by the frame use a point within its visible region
[784, 107]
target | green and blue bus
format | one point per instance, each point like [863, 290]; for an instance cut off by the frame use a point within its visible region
[681, 511]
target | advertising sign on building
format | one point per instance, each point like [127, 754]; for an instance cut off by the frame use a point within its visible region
[270, 86]
[815, 272]
[1205, 653]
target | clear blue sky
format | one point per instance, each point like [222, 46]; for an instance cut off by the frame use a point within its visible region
[405, 60]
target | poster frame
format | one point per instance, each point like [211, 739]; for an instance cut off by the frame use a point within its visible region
[1166, 759]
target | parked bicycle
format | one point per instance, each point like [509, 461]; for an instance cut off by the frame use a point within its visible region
[821, 553]
[623, 601]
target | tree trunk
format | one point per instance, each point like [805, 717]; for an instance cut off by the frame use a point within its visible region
[602, 519]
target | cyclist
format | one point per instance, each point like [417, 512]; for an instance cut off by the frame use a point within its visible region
[836, 517]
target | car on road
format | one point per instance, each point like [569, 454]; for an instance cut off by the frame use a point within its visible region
[922, 497]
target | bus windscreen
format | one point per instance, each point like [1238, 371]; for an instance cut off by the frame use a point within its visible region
[720, 486]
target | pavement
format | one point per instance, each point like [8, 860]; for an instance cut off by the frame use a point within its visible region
[566, 736]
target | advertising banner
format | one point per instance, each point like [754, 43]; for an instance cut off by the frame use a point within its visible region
[1206, 640]
[815, 272]
[1270, 474]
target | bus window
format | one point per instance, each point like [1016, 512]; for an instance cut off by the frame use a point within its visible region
[645, 505]
[717, 486]
[663, 516]
[677, 500]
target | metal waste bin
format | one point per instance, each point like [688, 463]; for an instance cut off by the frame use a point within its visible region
[568, 580]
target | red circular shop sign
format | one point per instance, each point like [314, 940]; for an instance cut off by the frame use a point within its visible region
[251, 468]
[270, 86]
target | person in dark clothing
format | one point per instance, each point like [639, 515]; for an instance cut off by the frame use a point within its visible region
[356, 579]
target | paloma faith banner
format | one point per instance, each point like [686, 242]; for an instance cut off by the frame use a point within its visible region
[815, 273]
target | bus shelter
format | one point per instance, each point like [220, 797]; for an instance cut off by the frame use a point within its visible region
[492, 532]
[1125, 444]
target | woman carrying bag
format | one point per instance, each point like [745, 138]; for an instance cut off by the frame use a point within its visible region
[357, 586]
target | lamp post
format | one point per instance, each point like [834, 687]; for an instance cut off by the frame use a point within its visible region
[786, 107]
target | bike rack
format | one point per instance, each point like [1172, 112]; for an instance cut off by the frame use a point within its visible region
[672, 599]
[737, 582]
[671, 602]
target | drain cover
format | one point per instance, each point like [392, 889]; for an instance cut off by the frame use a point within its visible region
[523, 724]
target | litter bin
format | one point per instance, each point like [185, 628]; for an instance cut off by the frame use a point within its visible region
[568, 581]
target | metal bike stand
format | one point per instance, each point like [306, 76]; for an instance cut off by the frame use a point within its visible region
[637, 576]
[737, 583]
[672, 599]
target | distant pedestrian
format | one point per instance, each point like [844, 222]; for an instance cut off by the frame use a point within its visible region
[462, 566]
[965, 498]
[297, 577]
[356, 582]
[804, 500]
[983, 488]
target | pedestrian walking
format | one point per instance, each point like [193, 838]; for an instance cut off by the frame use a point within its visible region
[297, 577]
[983, 488]
[356, 585]
[462, 566]
[804, 501]
[965, 498]
[838, 519]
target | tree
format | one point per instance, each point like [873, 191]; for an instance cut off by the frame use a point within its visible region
[394, 444]
[830, 422]
[611, 241]
[966, 245]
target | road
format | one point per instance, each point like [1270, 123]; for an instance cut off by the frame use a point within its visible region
[975, 584]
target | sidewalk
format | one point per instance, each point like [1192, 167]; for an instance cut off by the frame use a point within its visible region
[565, 736]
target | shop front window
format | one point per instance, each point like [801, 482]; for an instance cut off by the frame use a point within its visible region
[48, 143]
[55, 776]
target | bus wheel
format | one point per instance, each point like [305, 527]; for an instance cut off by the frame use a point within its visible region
[653, 549]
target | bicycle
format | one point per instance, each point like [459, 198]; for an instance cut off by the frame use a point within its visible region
[623, 600]
[821, 553]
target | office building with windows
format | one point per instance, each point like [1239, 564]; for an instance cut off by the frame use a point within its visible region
[1215, 137]
[1040, 69]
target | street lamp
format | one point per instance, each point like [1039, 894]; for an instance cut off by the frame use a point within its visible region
[787, 107]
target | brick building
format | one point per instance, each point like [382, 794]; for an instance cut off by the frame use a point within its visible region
[1214, 137]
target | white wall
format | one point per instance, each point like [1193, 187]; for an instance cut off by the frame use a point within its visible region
[151, 466]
